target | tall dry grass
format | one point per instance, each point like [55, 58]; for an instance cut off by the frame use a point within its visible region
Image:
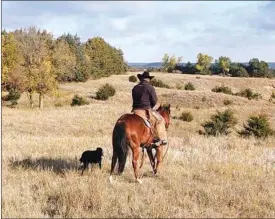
[200, 176]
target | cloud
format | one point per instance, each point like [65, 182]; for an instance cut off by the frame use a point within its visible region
[145, 30]
[265, 19]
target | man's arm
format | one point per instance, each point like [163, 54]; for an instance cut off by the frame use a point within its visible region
[153, 97]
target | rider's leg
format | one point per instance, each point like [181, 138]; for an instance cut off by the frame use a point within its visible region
[140, 112]
[160, 130]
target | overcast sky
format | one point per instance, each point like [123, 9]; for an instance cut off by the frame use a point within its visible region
[146, 30]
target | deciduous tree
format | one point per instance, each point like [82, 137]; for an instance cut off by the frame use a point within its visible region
[203, 63]
[10, 62]
[170, 63]
[64, 61]
[37, 62]
[224, 64]
[257, 68]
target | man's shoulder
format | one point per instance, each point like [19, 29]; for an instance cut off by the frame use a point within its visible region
[150, 86]
[137, 85]
[147, 86]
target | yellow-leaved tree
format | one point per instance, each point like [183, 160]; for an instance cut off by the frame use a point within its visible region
[37, 62]
[11, 60]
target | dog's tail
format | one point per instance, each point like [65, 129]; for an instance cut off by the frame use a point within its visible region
[120, 147]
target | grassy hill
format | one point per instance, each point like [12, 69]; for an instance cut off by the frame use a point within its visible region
[224, 176]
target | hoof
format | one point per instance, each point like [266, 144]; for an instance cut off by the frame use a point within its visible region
[139, 181]
[111, 179]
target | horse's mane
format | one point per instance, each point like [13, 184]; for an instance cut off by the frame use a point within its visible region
[165, 107]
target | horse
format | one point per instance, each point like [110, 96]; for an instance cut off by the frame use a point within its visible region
[130, 131]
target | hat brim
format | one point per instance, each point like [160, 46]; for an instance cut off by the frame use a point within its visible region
[141, 77]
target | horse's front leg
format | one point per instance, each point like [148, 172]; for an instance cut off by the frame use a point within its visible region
[135, 152]
[151, 158]
[159, 157]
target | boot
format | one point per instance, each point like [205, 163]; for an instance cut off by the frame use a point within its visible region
[159, 143]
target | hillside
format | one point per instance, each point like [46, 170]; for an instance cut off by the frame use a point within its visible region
[226, 176]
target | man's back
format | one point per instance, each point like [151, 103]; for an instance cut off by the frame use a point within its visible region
[144, 96]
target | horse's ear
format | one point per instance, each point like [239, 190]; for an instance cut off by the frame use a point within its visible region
[169, 106]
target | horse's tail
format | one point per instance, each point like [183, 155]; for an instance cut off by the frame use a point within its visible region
[120, 145]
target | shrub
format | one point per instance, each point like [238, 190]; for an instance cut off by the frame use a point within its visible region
[81, 77]
[179, 86]
[238, 71]
[257, 126]
[271, 73]
[159, 83]
[58, 104]
[227, 102]
[105, 92]
[186, 116]
[205, 72]
[248, 93]
[133, 78]
[79, 101]
[189, 86]
[220, 123]
[203, 99]
[13, 96]
[222, 89]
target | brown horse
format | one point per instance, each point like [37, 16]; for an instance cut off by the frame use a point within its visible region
[130, 131]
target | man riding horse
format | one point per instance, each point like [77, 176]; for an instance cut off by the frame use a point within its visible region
[133, 131]
[145, 104]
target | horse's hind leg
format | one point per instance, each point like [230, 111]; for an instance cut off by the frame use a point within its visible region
[142, 158]
[135, 152]
[159, 157]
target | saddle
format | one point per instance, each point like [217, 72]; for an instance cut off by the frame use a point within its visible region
[146, 120]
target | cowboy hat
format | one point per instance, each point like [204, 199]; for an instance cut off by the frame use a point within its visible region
[145, 74]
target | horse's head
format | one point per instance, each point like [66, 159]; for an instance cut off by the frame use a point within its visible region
[164, 111]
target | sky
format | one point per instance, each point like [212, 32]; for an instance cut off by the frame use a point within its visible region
[146, 30]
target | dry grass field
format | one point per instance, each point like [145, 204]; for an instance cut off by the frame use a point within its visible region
[201, 176]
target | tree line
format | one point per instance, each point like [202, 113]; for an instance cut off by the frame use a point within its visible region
[223, 66]
[33, 61]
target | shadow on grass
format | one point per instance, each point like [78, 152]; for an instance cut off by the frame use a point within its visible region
[58, 166]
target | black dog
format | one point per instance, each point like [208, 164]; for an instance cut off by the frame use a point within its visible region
[91, 157]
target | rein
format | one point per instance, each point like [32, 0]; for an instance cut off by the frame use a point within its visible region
[166, 151]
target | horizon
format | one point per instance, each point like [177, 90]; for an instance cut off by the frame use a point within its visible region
[245, 29]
